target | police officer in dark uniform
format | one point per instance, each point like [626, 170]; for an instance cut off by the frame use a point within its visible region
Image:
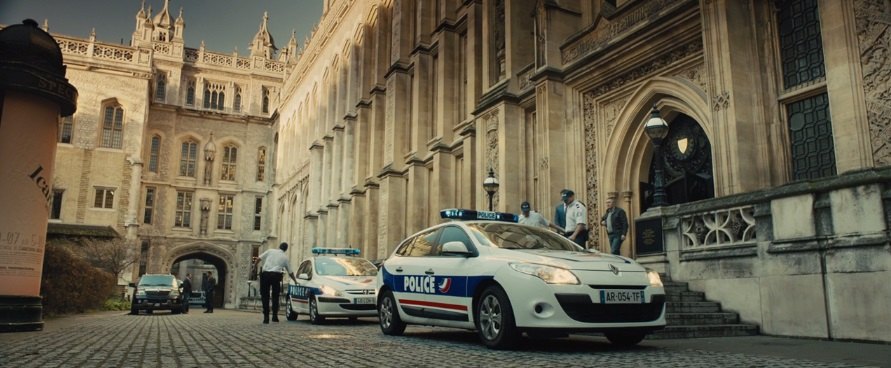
[208, 291]
[187, 292]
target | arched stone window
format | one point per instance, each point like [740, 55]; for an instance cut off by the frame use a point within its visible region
[190, 93]
[265, 100]
[161, 88]
[112, 125]
[236, 103]
[154, 153]
[230, 156]
[188, 158]
[66, 129]
[214, 97]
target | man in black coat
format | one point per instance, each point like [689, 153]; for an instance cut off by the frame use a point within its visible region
[208, 291]
[187, 292]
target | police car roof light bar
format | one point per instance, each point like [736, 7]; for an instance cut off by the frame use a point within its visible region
[463, 214]
[345, 251]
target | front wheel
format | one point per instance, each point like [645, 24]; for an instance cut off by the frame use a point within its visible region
[290, 314]
[625, 339]
[314, 316]
[495, 319]
[391, 323]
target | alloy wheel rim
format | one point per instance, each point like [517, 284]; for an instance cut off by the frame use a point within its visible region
[490, 317]
[386, 313]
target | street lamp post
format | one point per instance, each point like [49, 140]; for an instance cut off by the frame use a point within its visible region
[656, 128]
[491, 186]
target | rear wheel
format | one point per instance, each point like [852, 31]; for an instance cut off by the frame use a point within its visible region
[495, 319]
[314, 316]
[625, 339]
[391, 323]
[290, 314]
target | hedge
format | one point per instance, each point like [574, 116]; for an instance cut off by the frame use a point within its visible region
[70, 284]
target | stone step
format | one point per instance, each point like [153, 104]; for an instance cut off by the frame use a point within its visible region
[694, 331]
[693, 307]
[697, 319]
[685, 296]
[671, 287]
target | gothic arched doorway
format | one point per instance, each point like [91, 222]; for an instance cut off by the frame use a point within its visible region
[198, 264]
[687, 165]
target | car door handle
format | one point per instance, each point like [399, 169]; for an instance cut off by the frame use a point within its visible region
[429, 272]
[398, 269]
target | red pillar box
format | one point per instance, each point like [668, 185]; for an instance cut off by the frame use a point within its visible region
[33, 95]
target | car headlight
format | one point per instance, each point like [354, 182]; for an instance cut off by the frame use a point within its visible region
[140, 293]
[327, 290]
[655, 280]
[549, 274]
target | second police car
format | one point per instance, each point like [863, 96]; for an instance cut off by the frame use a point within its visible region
[504, 279]
[333, 283]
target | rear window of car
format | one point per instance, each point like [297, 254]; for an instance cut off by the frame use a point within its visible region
[344, 266]
[156, 280]
[512, 236]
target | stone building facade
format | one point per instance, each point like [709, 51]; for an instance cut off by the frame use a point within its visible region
[397, 109]
[173, 146]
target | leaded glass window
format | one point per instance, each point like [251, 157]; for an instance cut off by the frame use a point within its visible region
[183, 209]
[65, 129]
[154, 153]
[113, 127]
[230, 156]
[801, 44]
[224, 212]
[188, 158]
[810, 135]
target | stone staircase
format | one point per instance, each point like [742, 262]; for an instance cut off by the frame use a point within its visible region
[690, 315]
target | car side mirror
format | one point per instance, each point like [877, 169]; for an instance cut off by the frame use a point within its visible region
[303, 276]
[455, 248]
[132, 285]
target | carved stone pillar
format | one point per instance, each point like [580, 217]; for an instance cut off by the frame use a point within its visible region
[205, 213]
[210, 150]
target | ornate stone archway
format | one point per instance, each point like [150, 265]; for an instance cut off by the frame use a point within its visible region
[220, 257]
[628, 154]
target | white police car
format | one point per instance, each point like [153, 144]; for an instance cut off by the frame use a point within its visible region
[333, 283]
[503, 279]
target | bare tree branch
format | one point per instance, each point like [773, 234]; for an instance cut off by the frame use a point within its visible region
[113, 255]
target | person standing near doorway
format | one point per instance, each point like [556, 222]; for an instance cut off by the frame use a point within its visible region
[187, 292]
[560, 214]
[209, 287]
[576, 219]
[616, 223]
[274, 262]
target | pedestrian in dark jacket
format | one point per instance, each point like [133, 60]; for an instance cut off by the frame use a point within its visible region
[187, 292]
[616, 223]
[209, 287]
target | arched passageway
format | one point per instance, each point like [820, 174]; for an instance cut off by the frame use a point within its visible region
[198, 264]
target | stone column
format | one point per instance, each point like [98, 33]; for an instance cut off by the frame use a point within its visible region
[393, 200]
[732, 56]
[317, 154]
[549, 103]
[132, 222]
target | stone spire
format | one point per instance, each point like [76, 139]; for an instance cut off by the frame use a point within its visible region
[289, 53]
[180, 26]
[143, 32]
[46, 25]
[263, 44]
[163, 24]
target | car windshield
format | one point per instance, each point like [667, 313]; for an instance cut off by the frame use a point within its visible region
[344, 266]
[513, 236]
[156, 280]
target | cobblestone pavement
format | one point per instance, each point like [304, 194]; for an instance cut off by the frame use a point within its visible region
[238, 339]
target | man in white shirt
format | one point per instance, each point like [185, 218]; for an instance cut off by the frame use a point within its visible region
[530, 217]
[274, 262]
[576, 219]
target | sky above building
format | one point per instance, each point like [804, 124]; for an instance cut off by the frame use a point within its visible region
[223, 25]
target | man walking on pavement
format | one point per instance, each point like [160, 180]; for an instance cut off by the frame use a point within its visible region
[576, 219]
[274, 262]
[616, 223]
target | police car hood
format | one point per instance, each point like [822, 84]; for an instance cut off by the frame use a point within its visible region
[350, 282]
[581, 260]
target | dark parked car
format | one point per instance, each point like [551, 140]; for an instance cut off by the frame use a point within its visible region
[157, 292]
